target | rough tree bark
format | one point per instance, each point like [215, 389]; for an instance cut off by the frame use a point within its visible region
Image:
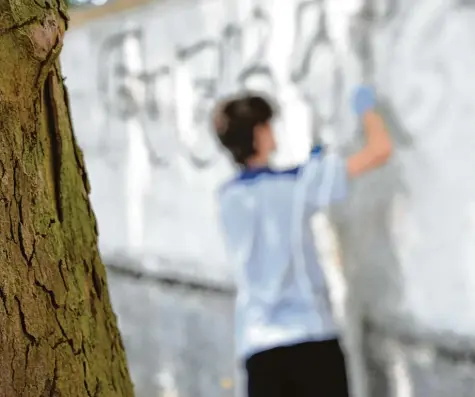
[58, 334]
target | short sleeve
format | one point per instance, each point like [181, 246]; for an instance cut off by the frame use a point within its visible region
[324, 179]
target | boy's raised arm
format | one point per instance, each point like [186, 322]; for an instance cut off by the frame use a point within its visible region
[326, 176]
[378, 147]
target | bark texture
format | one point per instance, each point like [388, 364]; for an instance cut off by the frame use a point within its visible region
[58, 333]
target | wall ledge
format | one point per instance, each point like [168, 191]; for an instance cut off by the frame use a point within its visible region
[81, 16]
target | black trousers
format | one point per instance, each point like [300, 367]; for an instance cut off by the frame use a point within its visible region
[310, 369]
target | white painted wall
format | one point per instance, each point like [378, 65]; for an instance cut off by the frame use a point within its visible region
[406, 236]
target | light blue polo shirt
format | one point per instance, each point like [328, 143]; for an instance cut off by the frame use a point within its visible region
[282, 293]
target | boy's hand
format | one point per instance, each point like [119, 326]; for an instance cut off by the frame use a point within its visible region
[364, 100]
[378, 147]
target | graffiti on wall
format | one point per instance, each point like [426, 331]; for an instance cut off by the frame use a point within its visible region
[255, 70]
[465, 3]
[175, 99]
[202, 73]
[204, 64]
[316, 69]
[118, 83]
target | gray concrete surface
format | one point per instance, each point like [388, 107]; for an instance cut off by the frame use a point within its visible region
[179, 339]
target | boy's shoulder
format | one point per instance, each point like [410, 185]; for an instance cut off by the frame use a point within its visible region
[253, 176]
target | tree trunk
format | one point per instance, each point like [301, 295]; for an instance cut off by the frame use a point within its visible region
[58, 334]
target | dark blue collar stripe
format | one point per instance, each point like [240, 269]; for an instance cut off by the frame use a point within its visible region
[253, 173]
[249, 174]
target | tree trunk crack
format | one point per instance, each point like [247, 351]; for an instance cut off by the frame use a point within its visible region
[61, 272]
[60, 6]
[97, 281]
[12, 364]
[55, 141]
[84, 365]
[24, 327]
[67, 339]
[16, 26]
[46, 65]
[27, 355]
[27, 256]
[2, 168]
[50, 293]
[4, 300]
[52, 392]
[15, 200]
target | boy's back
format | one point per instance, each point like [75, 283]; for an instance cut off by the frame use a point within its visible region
[282, 295]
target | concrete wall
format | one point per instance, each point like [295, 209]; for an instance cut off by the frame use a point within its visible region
[142, 83]
[406, 235]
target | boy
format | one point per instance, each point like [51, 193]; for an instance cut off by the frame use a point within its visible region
[285, 330]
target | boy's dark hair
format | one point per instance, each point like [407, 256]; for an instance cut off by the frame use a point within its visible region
[235, 120]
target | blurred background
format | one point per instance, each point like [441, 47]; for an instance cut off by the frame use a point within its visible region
[143, 76]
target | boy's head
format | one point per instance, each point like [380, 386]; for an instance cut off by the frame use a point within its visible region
[243, 125]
